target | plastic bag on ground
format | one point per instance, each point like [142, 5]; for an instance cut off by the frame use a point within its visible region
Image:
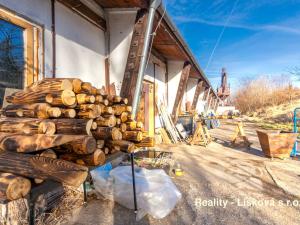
[156, 193]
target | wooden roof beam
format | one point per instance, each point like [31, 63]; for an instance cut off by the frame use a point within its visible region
[84, 11]
[123, 3]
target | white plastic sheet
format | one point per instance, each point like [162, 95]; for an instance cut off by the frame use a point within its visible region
[156, 193]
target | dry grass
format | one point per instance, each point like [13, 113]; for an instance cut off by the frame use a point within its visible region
[71, 200]
[254, 96]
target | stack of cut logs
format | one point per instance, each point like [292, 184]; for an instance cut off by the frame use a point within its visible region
[55, 128]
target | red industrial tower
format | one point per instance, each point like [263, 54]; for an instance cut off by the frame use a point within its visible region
[224, 90]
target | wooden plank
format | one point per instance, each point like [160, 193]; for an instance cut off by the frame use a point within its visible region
[107, 77]
[206, 92]
[181, 87]
[199, 90]
[134, 59]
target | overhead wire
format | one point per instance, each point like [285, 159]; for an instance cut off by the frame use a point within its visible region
[220, 36]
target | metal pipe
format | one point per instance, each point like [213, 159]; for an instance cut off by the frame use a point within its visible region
[133, 183]
[135, 102]
[53, 30]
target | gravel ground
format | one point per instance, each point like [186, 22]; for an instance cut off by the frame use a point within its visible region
[213, 176]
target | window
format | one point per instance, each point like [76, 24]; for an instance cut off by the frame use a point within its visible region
[19, 64]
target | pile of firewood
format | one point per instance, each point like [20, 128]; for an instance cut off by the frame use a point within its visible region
[55, 128]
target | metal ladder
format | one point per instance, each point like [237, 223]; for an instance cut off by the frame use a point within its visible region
[295, 120]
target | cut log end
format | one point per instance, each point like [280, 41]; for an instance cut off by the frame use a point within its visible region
[48, 128]
[54, 112]
[68, 98]
[66, 85]
[14, 187]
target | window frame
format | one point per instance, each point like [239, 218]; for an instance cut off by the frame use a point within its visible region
[31, 45]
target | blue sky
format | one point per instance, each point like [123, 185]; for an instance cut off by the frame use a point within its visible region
[262, 37]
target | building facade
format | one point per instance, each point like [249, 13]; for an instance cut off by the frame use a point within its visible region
[100, 41]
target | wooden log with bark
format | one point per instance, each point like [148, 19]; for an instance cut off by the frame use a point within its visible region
[63, 98]
[73, 126]
[99, 99]
[13, 187]
[82, 146]
[125, 146]
[68, 113]
[131, 125]
[97, 158]
[88, 114]
[31, 143]
[124, 117]
[106, 121]
[33, 166]
[123, 127]
[36, 110]
[26, 126]
[119, 109]
[50, 85]
[49, 153]
[85, 99]
[103, 133]
[106, 110]
[136, 136]
[146, 142]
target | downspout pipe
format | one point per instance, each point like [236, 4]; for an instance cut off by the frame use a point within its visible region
[135, 102]
[53, 30]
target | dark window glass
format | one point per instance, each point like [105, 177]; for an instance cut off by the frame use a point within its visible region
[11, 57]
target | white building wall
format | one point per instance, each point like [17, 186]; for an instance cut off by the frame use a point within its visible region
[80, 48]
[174, 74]
[201, 103]
[121, 25]
[190, 91]
[80, 45]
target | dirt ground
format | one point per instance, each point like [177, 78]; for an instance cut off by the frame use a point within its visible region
[239, 176]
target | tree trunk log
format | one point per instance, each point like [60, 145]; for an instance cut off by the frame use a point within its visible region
[107, 121]
[26, 126]
[64, 98]
[73, 126]
[103, 133]
[124, 117]
[131, 125]
[50, 85]
[85, 99]
[82, 146]
[32, 143]
[119, 109]
[97, 158]
[125, 146]
[133, 136]
[68, 113]
[13, 187]
[42, 168]
[89, 114]
[49, 153]
[123, 127]
[37, 110]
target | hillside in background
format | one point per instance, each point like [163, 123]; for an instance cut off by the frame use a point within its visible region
[270, 103]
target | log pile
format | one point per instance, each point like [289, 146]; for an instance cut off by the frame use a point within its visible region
[55, 129]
